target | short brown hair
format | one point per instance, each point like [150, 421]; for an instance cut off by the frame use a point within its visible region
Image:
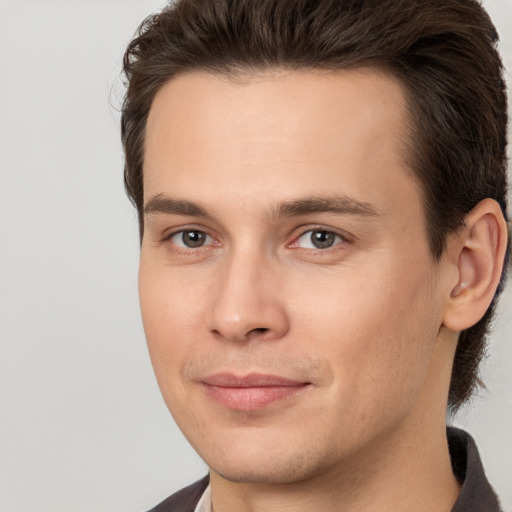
[443, 51]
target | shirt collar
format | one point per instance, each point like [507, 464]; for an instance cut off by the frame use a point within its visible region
[205, 503]
[476, 492]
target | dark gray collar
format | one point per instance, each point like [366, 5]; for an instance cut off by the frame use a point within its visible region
[476, 494]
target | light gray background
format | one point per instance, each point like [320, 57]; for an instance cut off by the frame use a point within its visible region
[83, 427]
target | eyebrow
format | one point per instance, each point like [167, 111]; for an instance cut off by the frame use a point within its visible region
[295, 208]
[170, 206]
[332, 204]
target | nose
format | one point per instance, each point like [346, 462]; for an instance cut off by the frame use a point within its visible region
[247, 302]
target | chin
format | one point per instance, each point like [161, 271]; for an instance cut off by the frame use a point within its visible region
[265, 467]
[247, 473]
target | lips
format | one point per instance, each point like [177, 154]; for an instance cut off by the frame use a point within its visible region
[250, 392]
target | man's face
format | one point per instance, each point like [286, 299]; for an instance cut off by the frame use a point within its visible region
[289, 299]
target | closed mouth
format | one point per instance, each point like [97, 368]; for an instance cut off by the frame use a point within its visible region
[250, 392]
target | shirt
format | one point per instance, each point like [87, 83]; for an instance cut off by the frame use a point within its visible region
[205, 503]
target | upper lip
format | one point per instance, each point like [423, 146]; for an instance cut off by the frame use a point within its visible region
[251, 380]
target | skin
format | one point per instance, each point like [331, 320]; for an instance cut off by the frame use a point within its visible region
[362, 322]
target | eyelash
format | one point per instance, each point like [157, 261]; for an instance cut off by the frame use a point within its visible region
[339, 239]
[182, 232]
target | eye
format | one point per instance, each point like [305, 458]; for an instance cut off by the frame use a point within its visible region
[191, 239]
[318, 239]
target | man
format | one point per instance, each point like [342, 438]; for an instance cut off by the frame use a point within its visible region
[321, 189]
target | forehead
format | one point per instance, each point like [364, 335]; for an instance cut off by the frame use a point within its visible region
[298, 131]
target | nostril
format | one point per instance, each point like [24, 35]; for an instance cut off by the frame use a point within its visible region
[259, 330]
[257, 333]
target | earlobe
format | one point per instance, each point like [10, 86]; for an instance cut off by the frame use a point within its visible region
[479, 253]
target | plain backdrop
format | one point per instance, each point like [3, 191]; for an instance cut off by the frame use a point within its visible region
[83, 427]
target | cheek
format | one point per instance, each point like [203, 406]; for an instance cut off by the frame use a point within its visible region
[377, 332]
[171, 315]
[170, 318]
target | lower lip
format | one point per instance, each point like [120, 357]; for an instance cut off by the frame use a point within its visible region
[252, 398]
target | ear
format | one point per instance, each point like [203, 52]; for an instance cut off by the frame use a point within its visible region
[477, 252]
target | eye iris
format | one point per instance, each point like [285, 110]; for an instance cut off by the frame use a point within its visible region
[322, 239]
[193, 238]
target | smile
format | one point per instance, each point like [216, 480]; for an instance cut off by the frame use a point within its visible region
[252, 392]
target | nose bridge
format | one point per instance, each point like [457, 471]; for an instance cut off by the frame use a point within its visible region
[245, 302]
